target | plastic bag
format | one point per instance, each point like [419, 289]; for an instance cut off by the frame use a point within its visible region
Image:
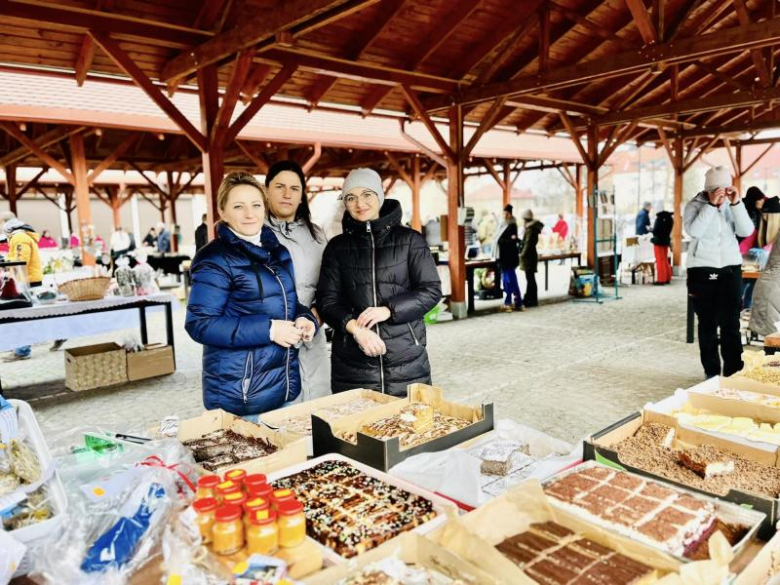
[11, 554]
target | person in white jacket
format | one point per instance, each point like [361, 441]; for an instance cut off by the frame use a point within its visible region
[713, 219]
[290, 219]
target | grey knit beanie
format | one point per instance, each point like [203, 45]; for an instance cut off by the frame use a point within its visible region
[365, 179]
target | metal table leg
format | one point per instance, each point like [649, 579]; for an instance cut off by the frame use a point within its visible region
[470, 289]
[690, 322]
[169, 330]
[546, 275]
[144, 332]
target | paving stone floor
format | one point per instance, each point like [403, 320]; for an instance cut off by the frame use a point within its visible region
[565, 368]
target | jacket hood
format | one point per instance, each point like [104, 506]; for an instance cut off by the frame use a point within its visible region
[27, 230]
[389, 216]
[535, 225]
[259, 253]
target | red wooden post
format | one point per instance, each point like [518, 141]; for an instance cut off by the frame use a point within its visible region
[10, 184]
[81, 186]
[455, 233]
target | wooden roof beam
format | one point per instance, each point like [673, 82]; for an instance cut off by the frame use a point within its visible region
[253, 81]
[590, 26]
[42, 142]
[47, 159]
[419, 109]
[237, 78]
[642, 20]
[754, 35]
[262, 26]
[112, 158]
[756, 54]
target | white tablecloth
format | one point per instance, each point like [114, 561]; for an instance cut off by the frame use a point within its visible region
[72, 321]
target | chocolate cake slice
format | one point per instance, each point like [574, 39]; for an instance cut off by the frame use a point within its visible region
[706, 461]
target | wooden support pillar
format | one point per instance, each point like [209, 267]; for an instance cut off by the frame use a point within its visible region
[592, 187]
[679, 173]
[10, 187]
[506, 187]
[416, 186]
[81, 186]
[579, 207]
[455, 232]
[213, 158]
[739, 172]
[113, 196]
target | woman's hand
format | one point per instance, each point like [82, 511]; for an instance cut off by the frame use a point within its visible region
[372, 316]
[733, 195]
[306, 327]
[285, 333]
[316, 315]
[371, 344]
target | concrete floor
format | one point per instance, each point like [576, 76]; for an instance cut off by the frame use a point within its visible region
[564, 368]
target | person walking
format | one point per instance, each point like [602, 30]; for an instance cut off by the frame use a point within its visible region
[244, 310]
[23, 247]
[561, 227]
[289, 218]
[529, 257]
[163, 238]
[377, 282]
[713, 219]
[643, 219]
[507, 246]
[202, 234]
[754, 203]
[486, 231]
[662, 242]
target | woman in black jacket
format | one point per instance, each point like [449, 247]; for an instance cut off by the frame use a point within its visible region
[508, 256]
[377, 281]
[662, 241]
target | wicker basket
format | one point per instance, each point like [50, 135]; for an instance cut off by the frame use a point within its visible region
[95, 366]
[86, 289]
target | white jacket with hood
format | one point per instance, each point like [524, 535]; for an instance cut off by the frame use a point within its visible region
[713, 231]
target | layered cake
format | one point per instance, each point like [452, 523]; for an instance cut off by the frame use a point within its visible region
[302, 424]
[351, 512]
[554, 555]
[706, 461]
[644, 510]
[739, 426]
[414, 425]
[224, 447]
[496, 457]
[393, 571]
[647, 450]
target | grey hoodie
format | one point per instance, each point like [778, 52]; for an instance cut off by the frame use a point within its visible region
[714, 232]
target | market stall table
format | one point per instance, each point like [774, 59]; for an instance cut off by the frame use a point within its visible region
[67, 320]
[471, 266]
[548, 258]
[168, 263]
[689, 335]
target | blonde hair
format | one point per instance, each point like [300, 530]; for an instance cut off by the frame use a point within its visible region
[233, 180]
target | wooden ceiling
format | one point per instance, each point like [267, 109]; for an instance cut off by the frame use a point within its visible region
[693, 67]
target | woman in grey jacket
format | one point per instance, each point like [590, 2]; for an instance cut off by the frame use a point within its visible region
[713, 219]
[290, 219]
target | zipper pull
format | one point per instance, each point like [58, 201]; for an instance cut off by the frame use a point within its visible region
[368, 227]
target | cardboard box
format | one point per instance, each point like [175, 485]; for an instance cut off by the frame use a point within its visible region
[95, 366]
[292, 449]
[764, 565]
[599, 447]
[277, 419]
[155, 360]
[383, 455]
[413, 550]
[474, 536]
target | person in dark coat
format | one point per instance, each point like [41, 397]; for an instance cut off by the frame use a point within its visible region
[202, 234]
[508, 256]
[244, 310]
[529, 257]
[377, 281]
[643, 219]
[662, 241]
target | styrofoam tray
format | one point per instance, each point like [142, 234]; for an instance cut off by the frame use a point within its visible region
[28, 426]
[726, 511]
[440, 505]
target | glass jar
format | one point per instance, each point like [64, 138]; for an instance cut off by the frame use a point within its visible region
[253, 505]
[226, 487]
[228, 532]
[207, 486]
[291, 522]
[280, 496]
[262, 536]
[234, 499]
[205, 508]
[254, 479]
[236, 476]
[260, 490]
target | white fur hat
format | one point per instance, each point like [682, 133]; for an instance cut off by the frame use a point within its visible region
[717, 178]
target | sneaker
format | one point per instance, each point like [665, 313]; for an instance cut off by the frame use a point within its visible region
[519, 309]
[505, 309]
[16, 358]
[57, 345]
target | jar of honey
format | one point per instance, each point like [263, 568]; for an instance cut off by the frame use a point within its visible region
[205, 508]
[254, 479]
[236, 476]
[253, 505]
[234, 499]
[226, 487]
[280, 496]
[207, 486]
[228, 532]
[291, 522]
[262, 536]
[259, 490]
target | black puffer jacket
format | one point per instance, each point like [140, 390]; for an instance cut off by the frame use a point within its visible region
[508, 247]
[379, 263]
[662, 229]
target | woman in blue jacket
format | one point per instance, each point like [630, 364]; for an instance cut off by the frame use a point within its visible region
[244, 310]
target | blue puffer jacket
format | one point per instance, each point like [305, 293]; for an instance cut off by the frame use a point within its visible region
[237, 289]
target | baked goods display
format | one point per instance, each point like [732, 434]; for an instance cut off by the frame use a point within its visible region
[738, 426]
[766, 373]
[393, 571]
[352, 512]
[225, 447]
[554, 555]
[504, 463]
[414, 425]
[642, 509]
[706, 468]
[302, 424]
[769, 400]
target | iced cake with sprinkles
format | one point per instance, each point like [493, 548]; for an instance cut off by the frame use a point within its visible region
[351, 512]
[643, 510]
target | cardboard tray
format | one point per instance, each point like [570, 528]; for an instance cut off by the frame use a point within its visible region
[764, 566]
[726, 511]
[413, 549]
[474, 536]
[440, 505]
[598, 447]
[292, 449]
[385, 454]
[276, 419]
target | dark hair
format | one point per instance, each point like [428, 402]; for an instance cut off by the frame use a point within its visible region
[303, 212]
